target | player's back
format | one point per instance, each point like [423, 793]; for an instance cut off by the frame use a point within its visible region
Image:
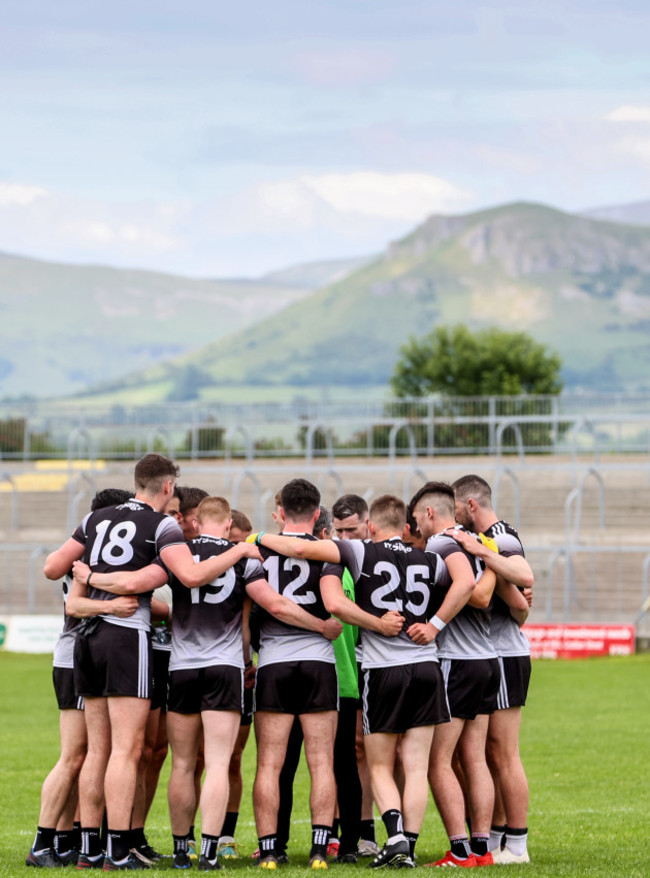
[126, 537]
[207, 627]
[389, 576]
[298, 580]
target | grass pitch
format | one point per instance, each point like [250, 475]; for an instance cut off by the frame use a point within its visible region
[584, 745]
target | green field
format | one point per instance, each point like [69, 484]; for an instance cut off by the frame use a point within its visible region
[584, 745]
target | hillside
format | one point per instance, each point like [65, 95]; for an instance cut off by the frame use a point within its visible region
[637, 213]
[65, 327]
[579, 285]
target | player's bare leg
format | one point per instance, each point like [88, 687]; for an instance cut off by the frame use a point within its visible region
[93, 771]
[128, 717]
[272, 733]
[415, 747]
[510, 777]
[447, 791]
[220, 728]
[184, 731]
[60, 784]
[319, 731]
[479, 790]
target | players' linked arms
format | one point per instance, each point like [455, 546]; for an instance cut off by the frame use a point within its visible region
[422, 633]
[482, 594]
[121, 581]
[80, 606]
[515, 599]
[293, 547]
[390, 624]
[178, 558]
[59, 562]
[290, 613]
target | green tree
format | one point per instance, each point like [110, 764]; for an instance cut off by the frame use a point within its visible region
[456, 362]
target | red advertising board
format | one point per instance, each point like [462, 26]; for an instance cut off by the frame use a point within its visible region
[550, 640]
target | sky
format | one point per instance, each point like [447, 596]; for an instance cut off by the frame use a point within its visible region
[220, 139]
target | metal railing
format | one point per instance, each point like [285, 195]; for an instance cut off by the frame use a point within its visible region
[394, 428]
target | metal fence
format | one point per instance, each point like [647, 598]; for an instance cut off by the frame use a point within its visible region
[394, 427]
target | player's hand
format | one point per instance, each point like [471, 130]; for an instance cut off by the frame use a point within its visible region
[80, 571]
[249, 676]
[331, 629]
[249, 550]
[391, 623]
[467, 540]
[422, 633]
[528, 595]
[123, 606]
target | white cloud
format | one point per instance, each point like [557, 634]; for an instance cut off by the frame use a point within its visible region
[629, 113]
[409, 197]
[15, 194]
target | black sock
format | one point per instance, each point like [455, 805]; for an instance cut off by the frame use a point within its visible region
[76, 840]
[368, 830]
[64, 841]
[460, 847]
[230, 824]
[268, 846]
[412, 838]
[44, 838]
[191, 835]
[393, 822]
[320, 835]
[181, 843]
[138, 837]
[118, 844]
[209, 844]
[479, 844]
[91, 841]
[335, 828]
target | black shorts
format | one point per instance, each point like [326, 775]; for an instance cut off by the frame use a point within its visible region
[515, 678]
[404, 697]
[113, 660]
[218, 687]
[160, 689]
[247, 709]
[472, 686]
[297, 687]
[63, 679]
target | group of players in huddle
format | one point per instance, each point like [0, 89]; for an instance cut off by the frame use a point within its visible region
[408, 620]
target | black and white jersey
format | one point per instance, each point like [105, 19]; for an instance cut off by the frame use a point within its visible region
[467, 635]
[64, 647]
[126, 537]
[388, 576]
[299, 581]
[507, 636]
[207, 620]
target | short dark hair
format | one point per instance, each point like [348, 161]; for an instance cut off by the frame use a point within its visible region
[324, 521]
[110, 497]
[241, 520]
[441, 490]
[473, 486]
[350, 504]
[152, 471]
[189, 498]
[300, 499]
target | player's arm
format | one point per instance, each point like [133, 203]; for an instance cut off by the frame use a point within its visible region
[336, 603]
[515, 599]
[288, 612]
[121, 581]
[483, 590]
[515, 568]
[59, 562]
[160, 611]
[294, 547]
[81, 606]
[178, 558]
[463, 583]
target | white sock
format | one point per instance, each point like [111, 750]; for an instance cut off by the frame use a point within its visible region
[517, 843]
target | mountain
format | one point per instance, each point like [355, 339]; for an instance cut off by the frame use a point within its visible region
[314, 275]
[579, 285]
[636, 214]
[65, 327]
